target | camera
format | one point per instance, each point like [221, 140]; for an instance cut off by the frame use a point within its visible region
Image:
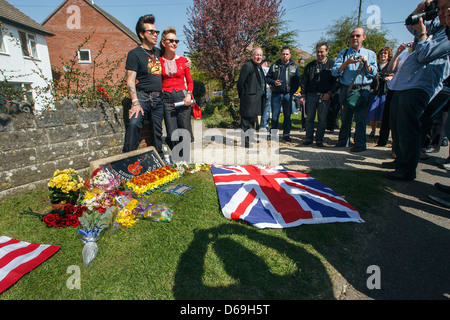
[356, 57]
[429, 14]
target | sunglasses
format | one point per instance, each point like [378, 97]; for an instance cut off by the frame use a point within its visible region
[355, 36]
[173, 40]
[152, 31]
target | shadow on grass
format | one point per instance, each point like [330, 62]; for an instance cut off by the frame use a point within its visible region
[251, 275]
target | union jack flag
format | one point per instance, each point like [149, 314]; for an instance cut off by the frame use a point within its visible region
[273, 197]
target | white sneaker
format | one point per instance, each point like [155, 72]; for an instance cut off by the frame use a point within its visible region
[444, 163]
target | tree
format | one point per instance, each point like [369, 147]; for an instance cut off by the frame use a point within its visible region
[219, 33]
[273, 37]
[338, 36]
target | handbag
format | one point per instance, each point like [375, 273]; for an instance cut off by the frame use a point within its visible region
[196, 111]
[354, 99]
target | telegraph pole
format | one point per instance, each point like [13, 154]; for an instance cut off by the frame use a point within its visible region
[359, 14]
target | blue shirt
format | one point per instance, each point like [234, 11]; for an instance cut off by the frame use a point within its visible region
[427, 66]
[347, 75]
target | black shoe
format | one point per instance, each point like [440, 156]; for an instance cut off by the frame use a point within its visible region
[287, 139]
[340, 145]
[319, 144]
[443, 202]
[442, 187]
[395, 175]
[388, 165]
[358, 149]
[307, 142]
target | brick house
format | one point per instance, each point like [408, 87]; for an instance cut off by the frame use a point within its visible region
[75, 21]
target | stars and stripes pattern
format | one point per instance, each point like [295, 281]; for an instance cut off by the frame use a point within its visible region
[273, 197]
[19, 257]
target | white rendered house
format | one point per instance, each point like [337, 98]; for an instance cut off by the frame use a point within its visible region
[24, 57]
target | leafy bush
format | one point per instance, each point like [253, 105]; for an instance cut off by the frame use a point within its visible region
[217, 115]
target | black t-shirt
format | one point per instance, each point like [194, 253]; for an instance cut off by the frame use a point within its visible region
[147, 65]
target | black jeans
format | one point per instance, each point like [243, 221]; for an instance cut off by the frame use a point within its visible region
[153, 108]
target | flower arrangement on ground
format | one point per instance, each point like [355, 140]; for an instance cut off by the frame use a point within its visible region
[65, 186]
[185, 168]
[103, 180]
[93, 223]
[68, 216]
[101, 190]
[133, 210]
[150, 181]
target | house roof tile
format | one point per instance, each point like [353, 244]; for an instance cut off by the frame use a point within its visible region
[11, 15]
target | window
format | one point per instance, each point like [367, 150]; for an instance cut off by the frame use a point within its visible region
[84, 56]
[2, 44]
[28, 44]
[18, 91]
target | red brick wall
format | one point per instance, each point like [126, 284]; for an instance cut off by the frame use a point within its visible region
[65, 42]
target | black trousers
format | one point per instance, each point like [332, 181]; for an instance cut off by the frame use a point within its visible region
[407, 107]
[176, 117]
[247, 123]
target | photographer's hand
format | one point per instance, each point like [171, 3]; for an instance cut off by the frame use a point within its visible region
[348, 62]
[421, 29]
[422, 6]
[366, 63]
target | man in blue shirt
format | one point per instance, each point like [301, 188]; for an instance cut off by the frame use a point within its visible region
[418, 82]
[345, 68]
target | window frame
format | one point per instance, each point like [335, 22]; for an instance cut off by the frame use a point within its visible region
[84, 61]
[29, 49]
[3, 47]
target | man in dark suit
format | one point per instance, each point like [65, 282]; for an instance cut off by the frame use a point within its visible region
[251, 87]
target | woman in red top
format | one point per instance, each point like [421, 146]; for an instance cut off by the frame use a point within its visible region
[177, 86]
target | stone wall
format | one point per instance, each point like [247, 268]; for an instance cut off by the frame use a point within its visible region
[33, 147]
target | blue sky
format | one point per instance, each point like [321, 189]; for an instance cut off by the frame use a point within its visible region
[310, 18]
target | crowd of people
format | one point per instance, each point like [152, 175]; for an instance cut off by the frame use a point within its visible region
[405, 90]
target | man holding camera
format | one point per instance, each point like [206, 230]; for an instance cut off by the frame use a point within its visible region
[355, 67]
[419, 80]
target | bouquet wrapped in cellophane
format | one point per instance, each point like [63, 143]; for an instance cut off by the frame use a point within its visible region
[93, 223]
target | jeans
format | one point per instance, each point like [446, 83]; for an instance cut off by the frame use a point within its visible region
[153, 108]
[313, 105]
[266, 113]
[281, 100]
[347, 118]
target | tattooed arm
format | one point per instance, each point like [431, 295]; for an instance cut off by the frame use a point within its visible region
[131, 86]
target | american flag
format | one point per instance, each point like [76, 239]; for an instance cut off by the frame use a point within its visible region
[273, 197]
[19, 257]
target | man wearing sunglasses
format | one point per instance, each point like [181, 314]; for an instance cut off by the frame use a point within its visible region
[144, 84]
[362, 63]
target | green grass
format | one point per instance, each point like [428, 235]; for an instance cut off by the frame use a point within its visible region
[198, 255]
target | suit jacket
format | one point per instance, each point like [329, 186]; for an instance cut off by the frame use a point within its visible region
[252, 90]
